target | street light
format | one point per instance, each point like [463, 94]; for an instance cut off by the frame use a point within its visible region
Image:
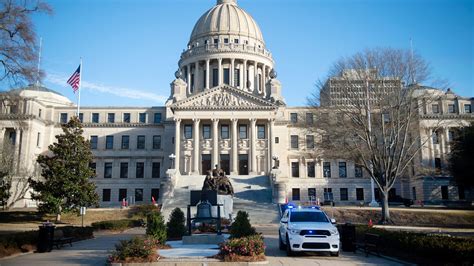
[172, 157]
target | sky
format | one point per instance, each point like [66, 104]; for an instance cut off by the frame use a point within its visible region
[130, 48]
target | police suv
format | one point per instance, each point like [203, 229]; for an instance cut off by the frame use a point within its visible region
[308, 229]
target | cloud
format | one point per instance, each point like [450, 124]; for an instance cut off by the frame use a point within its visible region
[117, 91]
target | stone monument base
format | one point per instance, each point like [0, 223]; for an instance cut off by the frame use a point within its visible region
[203, 239]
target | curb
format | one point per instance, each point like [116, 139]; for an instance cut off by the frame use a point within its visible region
[191, 262]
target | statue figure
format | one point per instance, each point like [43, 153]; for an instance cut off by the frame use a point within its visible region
[218, 182]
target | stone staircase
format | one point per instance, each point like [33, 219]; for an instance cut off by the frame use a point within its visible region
[253, 194]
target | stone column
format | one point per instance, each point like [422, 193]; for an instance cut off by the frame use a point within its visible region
[442, 143]
[196, 77]
[207, 74]
[177, 144]
[188, 78]
[253, 147]
[232, 71]
[219, 70]
[271, 150]
[196, 146]
[235, 152]
[244, 80]
[448, 141]
[255, 79]
[215, 142]
[431, 147]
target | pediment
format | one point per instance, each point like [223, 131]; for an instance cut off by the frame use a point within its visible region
[223, 98]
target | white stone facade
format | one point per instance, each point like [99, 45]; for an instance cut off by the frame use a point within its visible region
[226, 109]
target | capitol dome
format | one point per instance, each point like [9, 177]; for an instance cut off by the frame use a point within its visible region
[227, 18]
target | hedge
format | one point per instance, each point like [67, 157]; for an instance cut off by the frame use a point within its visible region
[438, 248]
[117, 225]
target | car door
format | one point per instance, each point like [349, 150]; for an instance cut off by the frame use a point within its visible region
[283, 226]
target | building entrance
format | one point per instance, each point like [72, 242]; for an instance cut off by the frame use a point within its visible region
[225, 163]
[243, 164]
[206, 163]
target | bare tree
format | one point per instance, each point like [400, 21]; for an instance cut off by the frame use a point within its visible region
[367, 111]
[18, 42]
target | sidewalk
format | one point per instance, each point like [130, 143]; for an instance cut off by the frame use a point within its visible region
[88, 252]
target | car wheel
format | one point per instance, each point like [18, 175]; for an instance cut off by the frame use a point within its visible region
[289, 252]
[335, 254]
[281, 245]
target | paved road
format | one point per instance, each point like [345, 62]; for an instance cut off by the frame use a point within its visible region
[87, 252]
[275, 256]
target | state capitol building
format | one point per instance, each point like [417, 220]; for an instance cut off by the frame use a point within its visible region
[226, 109]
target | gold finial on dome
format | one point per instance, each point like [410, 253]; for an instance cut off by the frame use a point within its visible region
[232, 2]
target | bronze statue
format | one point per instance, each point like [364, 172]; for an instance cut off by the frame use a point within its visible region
[218, 182]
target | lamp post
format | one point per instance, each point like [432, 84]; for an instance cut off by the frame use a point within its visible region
[372, 203]
[172, 157]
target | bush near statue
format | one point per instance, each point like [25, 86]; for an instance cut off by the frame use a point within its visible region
[218, 181]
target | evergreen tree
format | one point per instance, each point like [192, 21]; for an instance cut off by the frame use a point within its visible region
[66, 172]
[461, 159]
[175, 227]
[241, 226]
[155, 227]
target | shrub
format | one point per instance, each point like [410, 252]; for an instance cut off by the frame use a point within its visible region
[156, 227]
[117, 225]
[15, 243]
[142, 211]
[78, 233]
[236, 248]
[137, 249]
[175, 227]
[439, 248]
[241, 226]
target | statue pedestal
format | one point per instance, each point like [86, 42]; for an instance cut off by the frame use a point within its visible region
[227, 207]
[203, 239]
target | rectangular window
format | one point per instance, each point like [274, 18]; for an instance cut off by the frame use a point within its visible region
[277, 140]
[93, 167]
[140, 142]
[123, 170]
[106, 194]
[342, 169]
[107, 170]
[236, 40]
[312, 194]
[140, 170]
[344, 196]
[451, 108]
[438, 164]
[467, 108]
[142, 118]
[39, 113]
[435, 108]
[125, 142]
[139, 194]
[110, 118]
[109, 142]
[295, 169]
[226, 40]
[359, 194]
[126, 117]
[236, 77]
[216, 41]
[95, 117]
[157, 142]
[215, 77]
[157, 118]
[155, 193]
[206, 131]
[435, 137]
[94, 140]
[413, 193]
[226, 76]
[122, 194]
[295, 194]
[327, 169]
[461, 193]
[294, 142]
[38, 139]
[444, 193]
[225, 132]
[81, 117]
[188, 131]
[328, 196]
[311, 169]
[309, 141]
[358, 171]
[155, 170]
[294, 118]
[243, 131]
[261, 132]
[63, 118]
[309, 119]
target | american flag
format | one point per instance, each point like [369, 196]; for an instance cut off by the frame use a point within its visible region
[75, 78]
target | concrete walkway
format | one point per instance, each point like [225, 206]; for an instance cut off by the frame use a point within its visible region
[88, 252]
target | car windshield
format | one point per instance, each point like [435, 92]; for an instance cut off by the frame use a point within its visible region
[308, 217]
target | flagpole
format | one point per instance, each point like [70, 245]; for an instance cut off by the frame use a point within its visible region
[79, 90]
